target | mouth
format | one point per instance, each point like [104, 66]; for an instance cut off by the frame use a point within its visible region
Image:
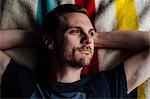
[85, 51]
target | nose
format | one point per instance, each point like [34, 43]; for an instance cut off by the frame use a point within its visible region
[86, 39]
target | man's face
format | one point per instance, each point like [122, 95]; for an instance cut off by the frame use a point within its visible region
[76, 45]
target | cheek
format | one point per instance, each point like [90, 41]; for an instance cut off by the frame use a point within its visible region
[71, 44]
[92, 46]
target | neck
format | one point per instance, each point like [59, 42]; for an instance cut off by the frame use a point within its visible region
[68, 74]
[61, 72]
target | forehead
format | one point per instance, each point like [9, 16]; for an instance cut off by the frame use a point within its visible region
[77, 19]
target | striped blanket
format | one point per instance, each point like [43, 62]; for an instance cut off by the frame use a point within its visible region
[106, 15]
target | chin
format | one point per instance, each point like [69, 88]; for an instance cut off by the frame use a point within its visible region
[84, 61]
[79, 63]
[78, 60]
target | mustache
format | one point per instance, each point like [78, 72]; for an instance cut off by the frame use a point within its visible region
[84, 48]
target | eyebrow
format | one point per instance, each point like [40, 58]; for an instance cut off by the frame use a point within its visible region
[91, 30]
[80, 28]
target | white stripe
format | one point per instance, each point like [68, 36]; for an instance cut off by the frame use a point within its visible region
[97, 2]
[143, 6]
[144, 19]
[144, 23]
[147, 89]
[67, 1]
[106, 21]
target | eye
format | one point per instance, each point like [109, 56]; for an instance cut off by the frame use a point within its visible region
[75, 31]
[92, 33]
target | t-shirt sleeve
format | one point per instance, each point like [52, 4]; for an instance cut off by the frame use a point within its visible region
[116, 79]
[17, 81]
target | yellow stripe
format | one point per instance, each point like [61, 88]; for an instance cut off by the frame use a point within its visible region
[126, 19]
[126, 15]
[141, 92]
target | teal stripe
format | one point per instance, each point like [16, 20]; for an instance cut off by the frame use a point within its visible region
[51, 4]
[43, 8]
[39, 16]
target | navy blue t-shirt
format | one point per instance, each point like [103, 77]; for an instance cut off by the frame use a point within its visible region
[20, 82]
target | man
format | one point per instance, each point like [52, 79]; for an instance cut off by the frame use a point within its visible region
[69, 37]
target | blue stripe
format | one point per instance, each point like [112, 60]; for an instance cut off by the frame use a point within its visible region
[50, 4]
[43, 7]
[39, 16]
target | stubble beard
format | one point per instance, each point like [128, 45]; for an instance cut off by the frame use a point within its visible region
[78, 62]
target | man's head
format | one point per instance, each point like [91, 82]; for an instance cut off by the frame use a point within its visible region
[68, 32]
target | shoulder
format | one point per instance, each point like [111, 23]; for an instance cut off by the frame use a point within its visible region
[4, 61]
[14, 68]
[17, 81]
[111, 74]
[112, 81]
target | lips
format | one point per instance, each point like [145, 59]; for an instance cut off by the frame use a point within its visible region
[84, 51]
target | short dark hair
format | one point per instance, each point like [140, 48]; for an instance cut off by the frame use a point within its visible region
[52, 20]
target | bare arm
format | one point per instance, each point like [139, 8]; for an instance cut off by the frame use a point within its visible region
[136, 67]
[129, 40]
[15, 38]
[4, 61]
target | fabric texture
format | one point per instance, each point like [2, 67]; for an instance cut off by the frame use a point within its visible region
[19, 82]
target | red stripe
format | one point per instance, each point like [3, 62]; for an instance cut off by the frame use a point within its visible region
[90, 7]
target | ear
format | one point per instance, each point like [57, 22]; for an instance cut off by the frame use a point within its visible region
[48, 41]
